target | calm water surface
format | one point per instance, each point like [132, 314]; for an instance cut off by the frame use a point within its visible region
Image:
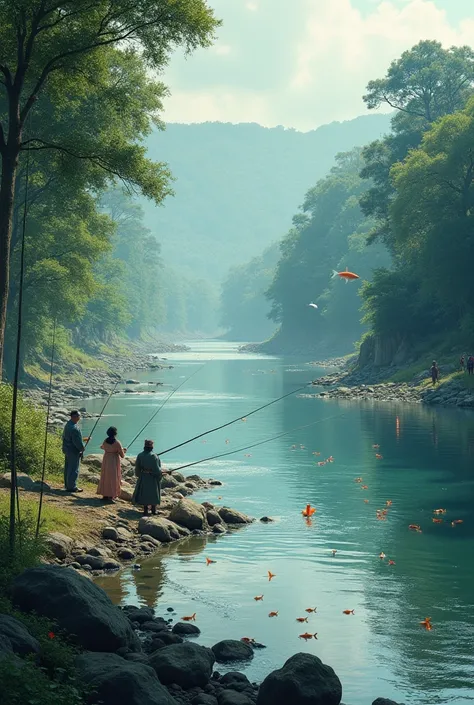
[427, 463]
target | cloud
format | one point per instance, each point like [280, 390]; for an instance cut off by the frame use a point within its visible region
[304, 63]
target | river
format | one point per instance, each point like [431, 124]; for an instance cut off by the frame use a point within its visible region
[380, 650]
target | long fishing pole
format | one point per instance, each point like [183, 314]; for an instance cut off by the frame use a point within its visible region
[162, 405]
[48, 410]
[254, 445]
[102, 411]
[229, 423]
[14, 493]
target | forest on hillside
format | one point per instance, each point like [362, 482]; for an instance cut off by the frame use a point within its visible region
[398, 212]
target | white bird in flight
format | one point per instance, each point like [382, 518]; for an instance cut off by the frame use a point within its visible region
[313, 305]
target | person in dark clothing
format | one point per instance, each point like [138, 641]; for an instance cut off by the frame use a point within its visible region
[462, 363]
[148, 471]
[470, 365]
[434, 372]
[73, 448]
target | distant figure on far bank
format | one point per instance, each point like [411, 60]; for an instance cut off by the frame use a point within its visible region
[470, 365]
[148, 471]
[462, 363]
[434, 372]
[73, 449]
[111, 471]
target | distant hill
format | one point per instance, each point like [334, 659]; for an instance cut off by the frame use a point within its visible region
[238, 186]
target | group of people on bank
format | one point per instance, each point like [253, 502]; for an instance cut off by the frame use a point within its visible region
[147, 466]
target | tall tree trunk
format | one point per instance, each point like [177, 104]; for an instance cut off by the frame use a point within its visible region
[7, 197]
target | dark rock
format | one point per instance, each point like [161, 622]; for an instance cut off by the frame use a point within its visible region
[219, 529]
[384, 701]
[303, 680]
[137, 658]
[186, 629]
[142, 615]
[159, 528]
[170, 609]
[115, 680]
[187, 665]
[157, 625]
[236, 681]
[154, 645]
[215, 483]
[111, 565]
[99, 552]
[213, 517]
[94, 562]
[6, 647]
[204, 699]
[77, 605]
[169, 482]
[126, 554]
[232, 516]
[266, 520]
[178, 476]
[189, 514]
[18, 635]
[59, 544]
[169, 639]
[230, 650]
[231, 697]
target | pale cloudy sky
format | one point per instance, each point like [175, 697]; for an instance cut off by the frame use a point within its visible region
[303, 63]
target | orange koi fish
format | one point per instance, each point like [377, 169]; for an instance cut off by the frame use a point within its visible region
[301, 619]
[388, 502]
[330, 459]
[347, 276]
[271, 575]
[358, 479]
[248, 640]
[426, 623]
[308, 511]
[307, 636]
[348, 612]
[322, 463]
[333, 551]
[378, 456]
[414, 527]
[310, 610]
[366, 501]
[391, 562]
[382, 556]
[364, 487]
[439, 511]
[259, 598]
[209, 561]
[273, 614]
[437, 521]
[457, 521]
[192, 618]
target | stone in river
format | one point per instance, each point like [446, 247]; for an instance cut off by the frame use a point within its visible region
[232, 516]
[189, 514]
[187, 665]
[235, 681]
[230, 650]
[186, 629]
[303, 680]
[213, 517]
[161, 529]
[77, 605]
[385, 701]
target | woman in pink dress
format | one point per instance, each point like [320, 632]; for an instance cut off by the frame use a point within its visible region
[111, 473]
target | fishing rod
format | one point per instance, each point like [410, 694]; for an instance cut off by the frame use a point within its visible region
[173, 391]
[259, 443]
[229, 423]
[100, 415]
[48, 410]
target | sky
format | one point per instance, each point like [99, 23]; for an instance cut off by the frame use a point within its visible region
[303, 63]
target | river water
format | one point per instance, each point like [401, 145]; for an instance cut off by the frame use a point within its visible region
[380, 650]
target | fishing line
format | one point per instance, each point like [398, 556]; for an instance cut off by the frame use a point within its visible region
[100, 415]
[259, 443]
[48, 410]
[173, 391]
[229, 423]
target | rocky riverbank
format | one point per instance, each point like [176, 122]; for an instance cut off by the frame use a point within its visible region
[135, 656]
[73, 382]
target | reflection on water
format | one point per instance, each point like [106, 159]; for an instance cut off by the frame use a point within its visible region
[427, 463]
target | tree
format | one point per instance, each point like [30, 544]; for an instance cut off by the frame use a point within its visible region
[49, 46]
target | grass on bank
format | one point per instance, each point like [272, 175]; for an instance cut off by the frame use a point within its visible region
[52, 518]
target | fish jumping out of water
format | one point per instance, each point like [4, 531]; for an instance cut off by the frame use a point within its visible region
[301, 619]
[209, 561]
[426, 623]
[347, 276]
[308, 511]
[192, 618]
[273, 614]
[348, 612]
[258, 598]
[271, 575]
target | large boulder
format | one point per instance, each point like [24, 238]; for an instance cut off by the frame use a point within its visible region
[169, 482]
[384, 701]
[116, 680]
[187, 665]
[232, 516]
[231, 697]
[230, 650]
[213, 517]
[59, 544]
[186, 629]
[189, 514]
[77, 605]
[236, 681]
[161, 529]
[94, 460]
[303, 680]
[22, 643]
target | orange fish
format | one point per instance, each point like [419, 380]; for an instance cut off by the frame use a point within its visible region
[347, 276]
[308, 511]
[192, 618]
[391, 562]
[248, 640]
[426, 623]
[376, 446]
[310, 610]
[348, 612]
[366, 501]
[365, 487]
[358, 479]
[271, 575]
[330, 459]
[439, 511]
[414, 527]
[457, 521]
[378, 456]
[382, 556]
[301, 619]
[388, 502]
[307, 636]
[334, 551]
[437, 521]
[273, 614]
[259, 598]
[322, 463]
[209, 561]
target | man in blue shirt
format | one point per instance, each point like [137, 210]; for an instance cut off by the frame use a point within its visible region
[73, 448]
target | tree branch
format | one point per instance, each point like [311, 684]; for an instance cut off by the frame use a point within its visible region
[403, 110]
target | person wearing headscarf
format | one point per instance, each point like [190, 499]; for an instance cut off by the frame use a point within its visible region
[148, 472]
[111, 471]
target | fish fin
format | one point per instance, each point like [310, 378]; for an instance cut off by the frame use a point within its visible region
[334, 274]
[347, 280]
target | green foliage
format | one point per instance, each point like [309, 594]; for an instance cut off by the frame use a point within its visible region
[30, 430]
[27, 554]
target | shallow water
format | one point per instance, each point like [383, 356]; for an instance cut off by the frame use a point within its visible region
[427, 463]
